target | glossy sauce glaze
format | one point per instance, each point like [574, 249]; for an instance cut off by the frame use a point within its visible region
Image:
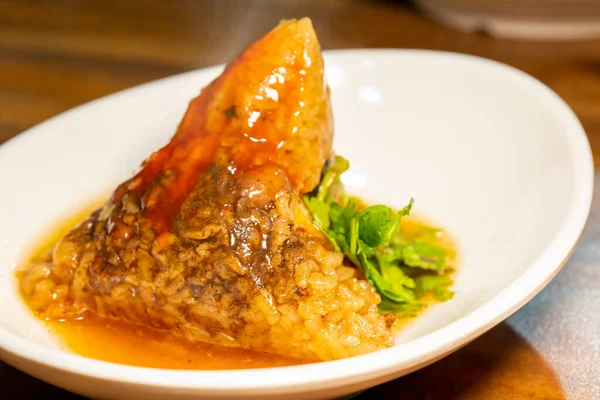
[120, 342]
[269, 106]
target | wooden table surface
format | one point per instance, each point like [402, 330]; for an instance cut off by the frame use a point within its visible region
[57, 55]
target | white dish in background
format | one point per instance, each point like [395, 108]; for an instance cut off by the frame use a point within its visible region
[523, 19]
[487, 152]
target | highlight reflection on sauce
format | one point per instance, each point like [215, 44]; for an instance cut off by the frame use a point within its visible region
[263, 125]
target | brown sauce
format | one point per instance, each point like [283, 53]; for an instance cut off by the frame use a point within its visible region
[124, 343]
[215, 123]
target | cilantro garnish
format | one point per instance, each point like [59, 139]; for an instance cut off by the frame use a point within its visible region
[230, 112]
[403, 269]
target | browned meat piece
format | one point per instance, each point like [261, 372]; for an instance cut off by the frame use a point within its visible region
[211, 240]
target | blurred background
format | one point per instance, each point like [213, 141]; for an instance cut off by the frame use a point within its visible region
[55, 55]
[58, 54]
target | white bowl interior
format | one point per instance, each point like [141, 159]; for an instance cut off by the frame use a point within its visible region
[477, 153]
[477, 145]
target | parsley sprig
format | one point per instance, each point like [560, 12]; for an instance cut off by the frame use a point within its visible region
[404, 269]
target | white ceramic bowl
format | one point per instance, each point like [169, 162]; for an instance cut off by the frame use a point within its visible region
[487, 151]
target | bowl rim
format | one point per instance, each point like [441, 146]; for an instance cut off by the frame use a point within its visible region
[406, 356]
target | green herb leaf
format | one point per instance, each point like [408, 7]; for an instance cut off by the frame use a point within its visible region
[369, 237]
[332, 176]
[443, 294]
[427, 283]
[377, 226]
[422, 255]
[400, 309]
[394, 274]
[230, 112]
[320, 211]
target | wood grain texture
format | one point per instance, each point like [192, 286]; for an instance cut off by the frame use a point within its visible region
[57, 55]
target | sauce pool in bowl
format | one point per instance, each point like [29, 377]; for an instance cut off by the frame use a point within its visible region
[116, 341]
